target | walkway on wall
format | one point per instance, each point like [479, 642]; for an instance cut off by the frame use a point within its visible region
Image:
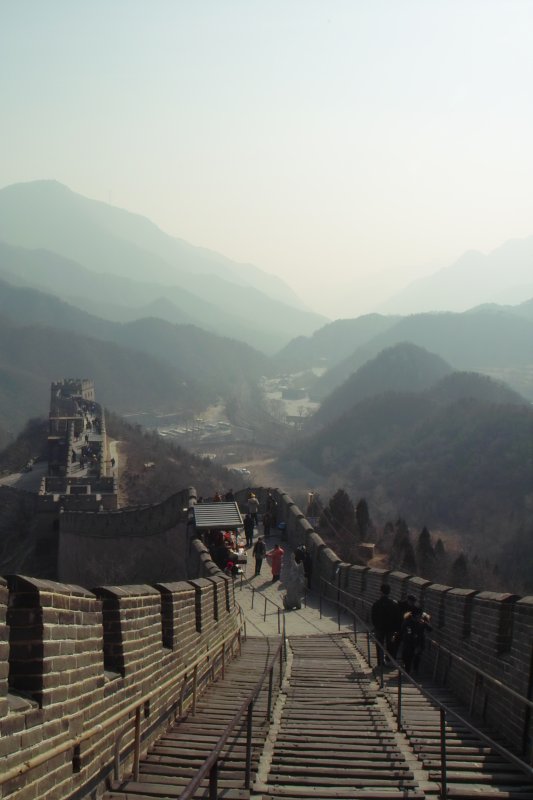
[174, 759]
[334, 731]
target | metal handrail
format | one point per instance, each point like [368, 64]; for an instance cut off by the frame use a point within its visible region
[443, 708]
[211, 763]
[282, 628]
[485, 675]
[111, 721]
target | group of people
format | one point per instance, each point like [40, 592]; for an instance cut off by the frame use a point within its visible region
[292, 569]
[400, 628]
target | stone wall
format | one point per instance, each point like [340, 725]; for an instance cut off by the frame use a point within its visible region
[492, 632]
[128, 545]
[71, 660]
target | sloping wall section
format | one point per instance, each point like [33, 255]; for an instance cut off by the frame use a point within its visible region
[492, 632]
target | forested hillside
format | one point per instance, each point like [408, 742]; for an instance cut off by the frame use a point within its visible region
[402, 368]
[333, 342]
[148, 364]
[476, 340]
[455, 457]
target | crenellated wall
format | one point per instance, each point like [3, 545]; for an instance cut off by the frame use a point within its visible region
[71, 660]
[128, 545]
[493, 632]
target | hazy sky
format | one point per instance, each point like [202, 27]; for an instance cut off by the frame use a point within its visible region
[347, 142]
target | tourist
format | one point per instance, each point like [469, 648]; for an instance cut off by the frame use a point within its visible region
[412, 638]
[267, 522]
[253, 507]
[384, 615]
[272, 509]
[259, 552]
[274, 559]
[249, 530]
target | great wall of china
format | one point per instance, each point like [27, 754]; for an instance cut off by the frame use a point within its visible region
[82, 668]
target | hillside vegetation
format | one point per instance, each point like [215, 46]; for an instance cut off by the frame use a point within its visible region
[478, 341]
[456, 456]
[148, 364]
[404, 367]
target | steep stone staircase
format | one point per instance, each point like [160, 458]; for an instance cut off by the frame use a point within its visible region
[333, 734]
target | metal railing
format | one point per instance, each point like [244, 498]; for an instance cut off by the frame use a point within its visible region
[191, 678]
[367, 604]
[210, 765]
[445, 712]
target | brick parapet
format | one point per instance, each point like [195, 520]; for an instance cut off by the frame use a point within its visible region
[82, 656]
[4, 648]
[492, 632]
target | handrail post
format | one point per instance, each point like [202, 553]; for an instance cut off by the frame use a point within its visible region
[436, 665]
[320, 599]
[399, 700]
[265, 611]
[223, 668]
[248, 772]
[182, 695]
[354, 628]
[137, 746]
[194, 688]
[279, 623]
[281, 664]
[368, 646]
[443, 781]
[253, 595]
[213, 781]
[270, 682]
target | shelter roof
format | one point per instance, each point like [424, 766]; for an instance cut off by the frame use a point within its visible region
[217, 516]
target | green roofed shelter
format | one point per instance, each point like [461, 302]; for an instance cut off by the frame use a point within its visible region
[217, 516]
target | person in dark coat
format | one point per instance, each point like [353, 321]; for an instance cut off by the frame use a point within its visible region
[412, 638]
[259, 552]
[384, 615]
[249, 530]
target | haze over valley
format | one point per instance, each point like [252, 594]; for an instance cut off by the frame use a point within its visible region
[426, 416]
[289, 248]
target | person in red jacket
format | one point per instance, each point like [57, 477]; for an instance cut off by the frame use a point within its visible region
[274, 559]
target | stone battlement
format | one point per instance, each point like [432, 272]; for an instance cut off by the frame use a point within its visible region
[72, 659]
[492, 632]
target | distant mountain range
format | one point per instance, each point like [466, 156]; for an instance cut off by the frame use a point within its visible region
[402, 368]
[504, 276]
[494, 340]
[148, 364]
[93, 253]
[452, 452]
[333, 342]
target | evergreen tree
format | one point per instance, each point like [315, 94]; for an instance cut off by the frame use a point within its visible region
[408, 560]
[425, 555]
[440, 551]
[363, 517]
[401, 539]
[340, 513]
[459, 573]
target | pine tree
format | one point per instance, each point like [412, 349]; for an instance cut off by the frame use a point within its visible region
[425, 555]
[401, 539]
[459, 572]
[363, 517]
[408, 560]
[440, 550]
[340, 513]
